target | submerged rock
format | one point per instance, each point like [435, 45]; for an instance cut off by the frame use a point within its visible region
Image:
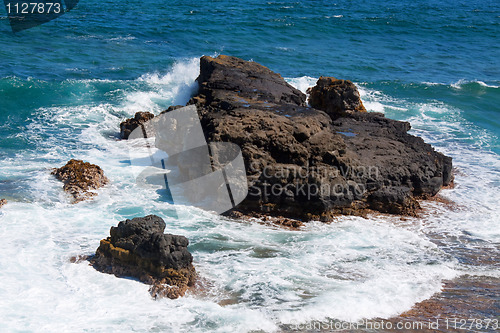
[3, 202]
[127, 126]
[139, 248]
[307, 163]
[80, 178]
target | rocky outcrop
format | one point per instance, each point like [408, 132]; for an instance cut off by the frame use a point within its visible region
[139, 248]
[336, 97]
[127, 126]
[307, 163]
[80, 179]
[3, 202]
[226, 82]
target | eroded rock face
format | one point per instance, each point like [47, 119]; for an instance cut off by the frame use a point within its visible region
[335, 97]
[127, 126]
[80, 178]
[139, 248]
[306, 163]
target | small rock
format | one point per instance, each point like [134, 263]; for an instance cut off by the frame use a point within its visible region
[335, 97]
[139, 248]
[80, 178]
[127, 126]
[3, 202]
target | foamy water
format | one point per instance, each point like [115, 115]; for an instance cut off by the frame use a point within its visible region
[350, 269]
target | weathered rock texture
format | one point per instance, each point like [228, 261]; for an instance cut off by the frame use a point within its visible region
[307, 163]
[139, 248]
[80, 178]
[336, 97]
[3, 202]
[127, 126]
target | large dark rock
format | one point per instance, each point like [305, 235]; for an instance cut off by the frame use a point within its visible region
[306, 163]
[335, 97]
[139, 248]
[228, 81]
[80, 179]
[127, 126]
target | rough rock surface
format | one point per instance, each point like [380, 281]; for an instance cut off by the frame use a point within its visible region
[127, 126]
[306, 163]
[336, 97]
[80, 178]
[139, 248]
[3, 202]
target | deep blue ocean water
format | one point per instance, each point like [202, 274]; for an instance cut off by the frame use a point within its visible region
[66, 85]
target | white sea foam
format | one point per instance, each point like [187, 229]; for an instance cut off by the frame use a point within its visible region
[122, 38]
[178, 84]
[460, 83]
[302, 83]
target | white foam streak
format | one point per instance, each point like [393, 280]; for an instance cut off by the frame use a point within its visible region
[302, 83]
[461, 83]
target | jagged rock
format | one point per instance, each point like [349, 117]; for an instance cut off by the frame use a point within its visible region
[80, 178]
[306, 163]
[336, 97]
[127, 126]
[139, 248]
[3, 202]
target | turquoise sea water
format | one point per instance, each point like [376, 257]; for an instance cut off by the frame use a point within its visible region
[66, 85]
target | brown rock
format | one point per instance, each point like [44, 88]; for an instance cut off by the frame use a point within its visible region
[3, 202]
[335, 97]
[80, 178]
